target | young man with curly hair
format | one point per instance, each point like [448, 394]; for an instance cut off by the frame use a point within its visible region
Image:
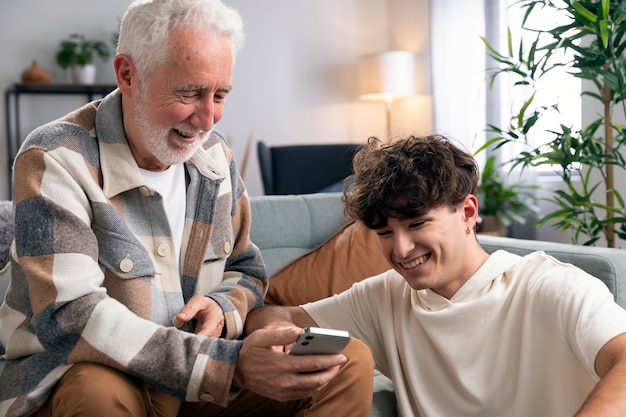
[461, 332]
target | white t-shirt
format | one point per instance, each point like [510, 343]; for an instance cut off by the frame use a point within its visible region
[171, 185]
[519, 338]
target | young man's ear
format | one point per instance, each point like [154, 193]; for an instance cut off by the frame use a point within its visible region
[470, 210]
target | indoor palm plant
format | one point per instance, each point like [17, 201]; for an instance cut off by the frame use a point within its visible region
[587, 160]
[77, 52]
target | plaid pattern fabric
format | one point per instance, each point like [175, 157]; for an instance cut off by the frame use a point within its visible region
[94, 276]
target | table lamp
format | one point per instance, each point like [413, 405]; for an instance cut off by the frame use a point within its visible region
[387, 77]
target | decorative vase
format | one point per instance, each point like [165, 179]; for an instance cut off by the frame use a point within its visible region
[35, 74]
[84, 75]
[491, 225]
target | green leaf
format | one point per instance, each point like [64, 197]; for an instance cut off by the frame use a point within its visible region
[509, 42]
[584, 12]
[520, 115]
[494, 53]
[606, 6]
[604, 32]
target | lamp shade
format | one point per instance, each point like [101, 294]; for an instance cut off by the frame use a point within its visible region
[387, 76]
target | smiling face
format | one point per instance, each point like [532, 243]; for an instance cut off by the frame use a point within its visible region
[169, 115]
[434, 250]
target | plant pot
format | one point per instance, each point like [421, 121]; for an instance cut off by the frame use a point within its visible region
[84, 75]
[491, 225]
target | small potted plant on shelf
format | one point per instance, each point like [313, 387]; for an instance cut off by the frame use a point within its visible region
[77, 53]
[501, 203]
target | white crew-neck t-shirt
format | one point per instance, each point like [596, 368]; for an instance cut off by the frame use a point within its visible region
[170, 184]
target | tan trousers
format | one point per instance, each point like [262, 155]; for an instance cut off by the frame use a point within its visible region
[92, 390]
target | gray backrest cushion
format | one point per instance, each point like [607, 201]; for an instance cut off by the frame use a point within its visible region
[607, 264]
[286, 227]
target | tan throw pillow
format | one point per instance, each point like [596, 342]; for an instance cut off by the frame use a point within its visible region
[350, 255]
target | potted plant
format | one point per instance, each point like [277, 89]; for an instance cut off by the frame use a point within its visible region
[77, 53]
[502, 203]
[587, 160]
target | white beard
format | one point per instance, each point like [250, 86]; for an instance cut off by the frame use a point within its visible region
[156, 138]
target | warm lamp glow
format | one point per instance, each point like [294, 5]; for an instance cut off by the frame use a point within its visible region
[387, 77]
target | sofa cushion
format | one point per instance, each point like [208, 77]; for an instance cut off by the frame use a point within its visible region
[350, 255]
[285, 227]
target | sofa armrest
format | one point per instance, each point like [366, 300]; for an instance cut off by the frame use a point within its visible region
[607, 264]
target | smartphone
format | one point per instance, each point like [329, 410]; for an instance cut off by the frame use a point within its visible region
[318, 341]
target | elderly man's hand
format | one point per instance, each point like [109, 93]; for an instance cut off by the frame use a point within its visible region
[263, 366]
[208, 315]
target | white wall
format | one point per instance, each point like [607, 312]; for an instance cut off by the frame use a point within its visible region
[295, 80]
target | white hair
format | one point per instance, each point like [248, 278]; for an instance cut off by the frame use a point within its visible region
[146, 24]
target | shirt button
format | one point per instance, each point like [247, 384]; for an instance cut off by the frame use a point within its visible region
[163, 250]
[126, 265]
[227, 247]
[207, 397]
[145, 191]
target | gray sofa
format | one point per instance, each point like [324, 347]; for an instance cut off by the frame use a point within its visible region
[287, 227]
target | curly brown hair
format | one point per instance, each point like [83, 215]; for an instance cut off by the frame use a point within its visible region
[406, 178]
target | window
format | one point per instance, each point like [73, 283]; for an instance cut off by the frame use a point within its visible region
[463, 103]
[558, 93]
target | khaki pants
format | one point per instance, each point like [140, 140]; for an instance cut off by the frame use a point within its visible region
[92, 390]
